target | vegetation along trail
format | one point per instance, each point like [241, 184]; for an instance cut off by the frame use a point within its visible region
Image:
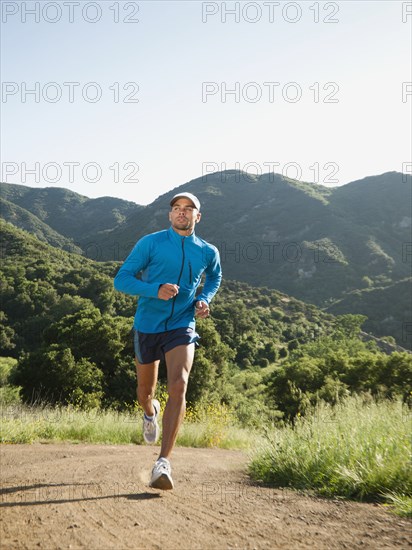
[97, 497]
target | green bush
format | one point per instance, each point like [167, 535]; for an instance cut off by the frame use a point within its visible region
[9, 395]
[334, 366]
[7, 366]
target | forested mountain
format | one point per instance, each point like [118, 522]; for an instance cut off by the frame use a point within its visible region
[332, 247]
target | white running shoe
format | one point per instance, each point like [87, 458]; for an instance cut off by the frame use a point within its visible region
[162, 475]
[151, 430]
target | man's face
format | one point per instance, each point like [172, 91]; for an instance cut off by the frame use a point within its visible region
[183, 215]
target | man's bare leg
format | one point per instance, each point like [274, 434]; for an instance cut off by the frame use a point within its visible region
[179, 362]
[146, 384]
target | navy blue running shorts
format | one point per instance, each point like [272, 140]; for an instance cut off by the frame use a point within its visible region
[149, 347]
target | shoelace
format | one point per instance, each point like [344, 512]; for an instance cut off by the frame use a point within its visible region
[163, 465]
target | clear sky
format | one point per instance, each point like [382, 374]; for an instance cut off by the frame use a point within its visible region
[131, 99]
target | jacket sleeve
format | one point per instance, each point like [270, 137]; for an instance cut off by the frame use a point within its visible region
[213, 278]
[126, 280]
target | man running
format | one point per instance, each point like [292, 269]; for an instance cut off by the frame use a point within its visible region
[171, 264]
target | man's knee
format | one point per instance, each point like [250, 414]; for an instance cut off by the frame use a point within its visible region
[177, 387]
[144, 393]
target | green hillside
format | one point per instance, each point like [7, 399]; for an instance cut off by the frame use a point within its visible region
[70, 214]
[314, 243]
[393, 303]
[321, 245]
[22, 218]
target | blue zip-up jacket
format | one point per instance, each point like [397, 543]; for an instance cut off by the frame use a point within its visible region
[167, 257]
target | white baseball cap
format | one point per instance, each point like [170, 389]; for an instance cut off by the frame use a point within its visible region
[195, 200]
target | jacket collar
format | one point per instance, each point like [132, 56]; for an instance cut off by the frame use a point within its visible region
[176, 237]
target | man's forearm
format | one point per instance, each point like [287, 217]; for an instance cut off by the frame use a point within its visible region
[211, 286]
[126, 282]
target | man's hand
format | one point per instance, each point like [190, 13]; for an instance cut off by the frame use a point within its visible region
[202, 309]
[167, 291]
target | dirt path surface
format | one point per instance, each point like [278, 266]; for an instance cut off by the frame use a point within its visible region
[96, 497]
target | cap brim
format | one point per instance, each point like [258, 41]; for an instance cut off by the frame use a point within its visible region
[184, 196]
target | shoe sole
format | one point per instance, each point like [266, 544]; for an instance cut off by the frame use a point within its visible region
[163, 482]
[151, 442]
[157, 412]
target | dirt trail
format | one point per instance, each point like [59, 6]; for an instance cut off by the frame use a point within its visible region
[96, 497]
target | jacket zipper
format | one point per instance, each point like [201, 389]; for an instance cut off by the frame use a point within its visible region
[178, 281]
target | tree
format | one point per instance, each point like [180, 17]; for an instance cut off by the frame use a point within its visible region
[6, 335]
[329, 368]
[54, 375]
[349, 325]
[91, 342]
